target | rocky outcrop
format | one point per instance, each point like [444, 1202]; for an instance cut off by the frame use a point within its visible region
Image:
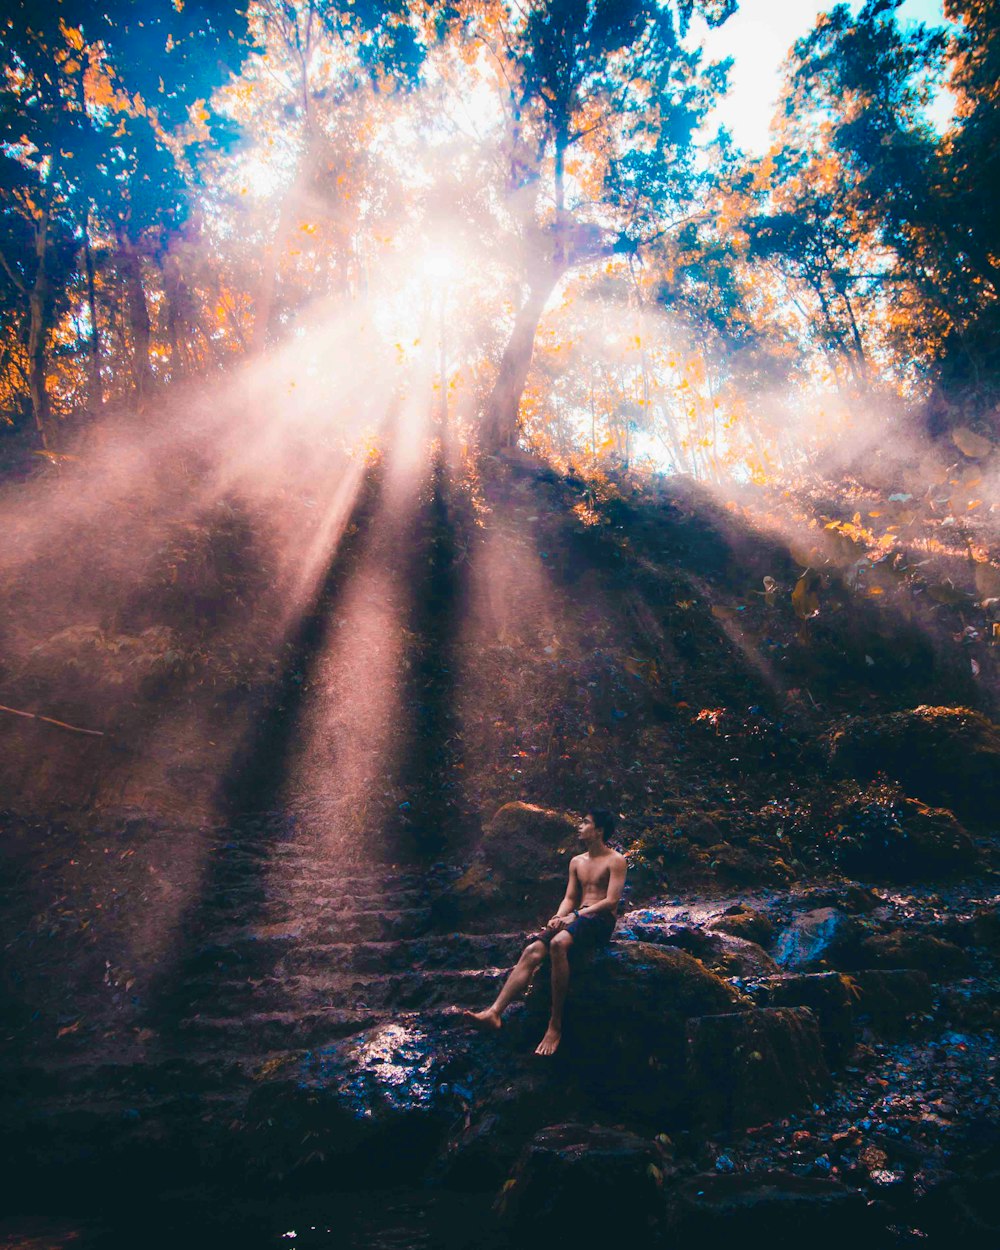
[569, 1175]
[884, 836]
[948, 756]
[902, 949]
[816, 940]
[828, 995]
[746, 1068]
[518, 871]
[625, 1024]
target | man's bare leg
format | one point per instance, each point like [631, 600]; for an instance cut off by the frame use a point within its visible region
[515, 985]
[559, 955]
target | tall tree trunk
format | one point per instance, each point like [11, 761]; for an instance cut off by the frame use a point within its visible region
[138, 318]
[177, 300]
[500, 413]
[38, 303]
[94, 361]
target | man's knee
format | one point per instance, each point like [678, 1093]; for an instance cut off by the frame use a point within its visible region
[533, 953]
[562, 942]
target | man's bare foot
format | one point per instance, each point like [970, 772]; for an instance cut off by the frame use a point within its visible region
[550, 1042]
[488, 1019]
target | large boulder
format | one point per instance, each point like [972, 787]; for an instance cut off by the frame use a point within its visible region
[624, 1027]
[941, 960]
[947, 756]
[828, 995]
[887, 998]
[570, 1172]
[378, 1102]
[724, 953]
[622, 1055]
[882, 835]
[746, 1068]
[518, 873]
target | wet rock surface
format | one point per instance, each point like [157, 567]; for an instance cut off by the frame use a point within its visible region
[306, 1042]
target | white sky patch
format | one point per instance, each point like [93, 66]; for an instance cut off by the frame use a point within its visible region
[758, 37]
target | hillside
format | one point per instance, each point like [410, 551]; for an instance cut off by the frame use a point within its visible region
[303, 722]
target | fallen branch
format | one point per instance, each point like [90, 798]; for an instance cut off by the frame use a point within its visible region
[49, 720]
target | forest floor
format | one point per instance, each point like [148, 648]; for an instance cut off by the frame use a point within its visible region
[242, 864]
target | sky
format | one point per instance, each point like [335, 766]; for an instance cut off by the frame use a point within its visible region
[759, 37]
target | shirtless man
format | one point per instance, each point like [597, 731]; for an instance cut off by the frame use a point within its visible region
[584, 921]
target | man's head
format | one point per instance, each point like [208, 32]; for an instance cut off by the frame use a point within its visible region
[598, 821]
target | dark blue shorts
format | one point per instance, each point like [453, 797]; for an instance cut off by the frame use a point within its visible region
[589, 933]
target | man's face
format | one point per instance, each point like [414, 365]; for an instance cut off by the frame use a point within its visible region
[586, 828]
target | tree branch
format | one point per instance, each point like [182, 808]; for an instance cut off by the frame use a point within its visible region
[12, 275]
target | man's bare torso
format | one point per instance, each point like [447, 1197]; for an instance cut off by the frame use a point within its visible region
[594, 875]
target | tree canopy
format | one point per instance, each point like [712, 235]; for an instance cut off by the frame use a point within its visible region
[183, 184]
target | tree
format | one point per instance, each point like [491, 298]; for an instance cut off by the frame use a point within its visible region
[602, 102]
[327, 59]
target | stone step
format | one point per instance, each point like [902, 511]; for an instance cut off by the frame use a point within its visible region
[283, 955]
[324, 896]
[264, 1017]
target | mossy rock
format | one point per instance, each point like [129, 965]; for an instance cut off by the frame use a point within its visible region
[748, 1067]
[746, 865]
[752, 926]
[518, 873]
[828, 995]
[946, 756]
[881, 834]
[567, 1171]
[888, 997]
[935, 956]
[624, 1027]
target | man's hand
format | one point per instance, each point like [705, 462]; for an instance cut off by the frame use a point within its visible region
[558, 922]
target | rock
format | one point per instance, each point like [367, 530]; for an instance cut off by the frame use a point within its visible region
[848, 897]
[737, 956]
[377, 1102]
[770, 1209]
[624, 1027]
[569, 1176]
[746, 865]
[828, 995]
[984, 928]
[728, 955]
[518, 873]
[947, 756]
[745, 923]
[886, 998]
[900, 949]
[970, 1004]
[880, 833]
[816, 939]
[748, 1067]
[483, 1151]
[965, 1212]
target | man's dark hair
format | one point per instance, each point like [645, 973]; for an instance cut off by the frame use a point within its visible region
[603, 820]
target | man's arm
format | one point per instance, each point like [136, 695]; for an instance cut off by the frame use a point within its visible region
[616, 882]
[570, 898]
